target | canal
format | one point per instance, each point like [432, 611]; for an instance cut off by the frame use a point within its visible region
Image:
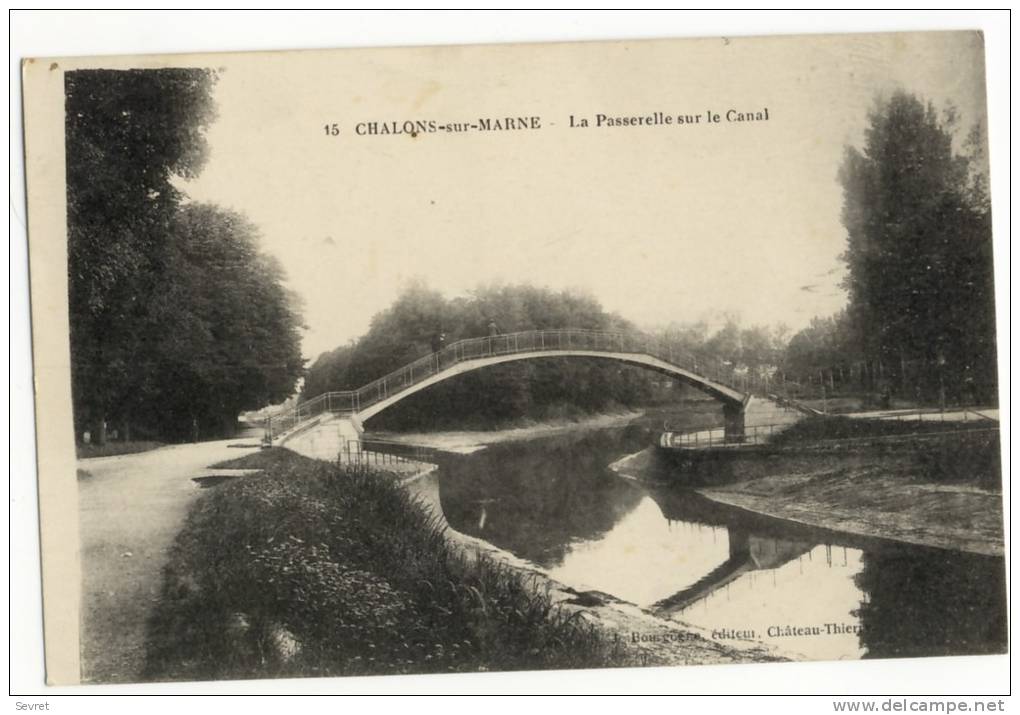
[813, 594]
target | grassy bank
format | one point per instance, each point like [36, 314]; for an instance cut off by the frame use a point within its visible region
[319, 569]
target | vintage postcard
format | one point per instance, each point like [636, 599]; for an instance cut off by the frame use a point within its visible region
[515, 357]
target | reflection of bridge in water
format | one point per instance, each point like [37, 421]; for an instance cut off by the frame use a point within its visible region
[747, 553]
[744, 396]
[750, 548]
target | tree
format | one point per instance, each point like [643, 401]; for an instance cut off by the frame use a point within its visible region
[225, 330]
[825, 351]
[919, 250]
[725, 343]
[127, 134]
[178, 322]
[687, 337]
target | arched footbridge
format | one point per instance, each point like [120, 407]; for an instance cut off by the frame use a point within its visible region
[732, 388]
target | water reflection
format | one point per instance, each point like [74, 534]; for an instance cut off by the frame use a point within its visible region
[643, 559]
[811, 593]
[804, 606]
[538, 498]
[943, 604]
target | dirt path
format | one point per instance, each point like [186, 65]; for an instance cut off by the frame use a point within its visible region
[131, 508]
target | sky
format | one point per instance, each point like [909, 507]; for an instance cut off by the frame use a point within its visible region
[659, 223]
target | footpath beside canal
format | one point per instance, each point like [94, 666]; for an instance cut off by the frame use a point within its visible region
[131, 507]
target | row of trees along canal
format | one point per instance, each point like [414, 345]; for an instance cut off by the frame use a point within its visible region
[178, 322]
[920, 320]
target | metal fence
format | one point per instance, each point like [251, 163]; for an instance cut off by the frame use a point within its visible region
[761, 434]
[383, 452]
[599, 341]
[716, 436]
[958, 414]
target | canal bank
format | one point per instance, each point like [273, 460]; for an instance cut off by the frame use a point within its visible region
[316, 568]
[940, 490]
[642, 637]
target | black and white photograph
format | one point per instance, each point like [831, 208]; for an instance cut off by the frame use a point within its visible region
[524, 357]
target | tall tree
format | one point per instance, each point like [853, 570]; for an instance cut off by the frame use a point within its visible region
[919, 250]
[127, 134]
[178, 321]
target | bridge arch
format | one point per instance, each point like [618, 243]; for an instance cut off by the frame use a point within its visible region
[714, 377]
[728, 396]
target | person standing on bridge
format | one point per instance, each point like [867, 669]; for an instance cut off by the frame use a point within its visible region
[438, 343]
[493, 332]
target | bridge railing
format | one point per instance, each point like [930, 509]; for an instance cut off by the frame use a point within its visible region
[383, 451]
[353, 401]
[716, 436]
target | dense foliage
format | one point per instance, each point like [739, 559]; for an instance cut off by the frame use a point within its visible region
[921, 318]
[535, 389]
[177, 321]
[320, 569]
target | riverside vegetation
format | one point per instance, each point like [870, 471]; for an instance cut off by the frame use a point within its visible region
[324, 569]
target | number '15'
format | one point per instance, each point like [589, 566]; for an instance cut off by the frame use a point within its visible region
[331, 130]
